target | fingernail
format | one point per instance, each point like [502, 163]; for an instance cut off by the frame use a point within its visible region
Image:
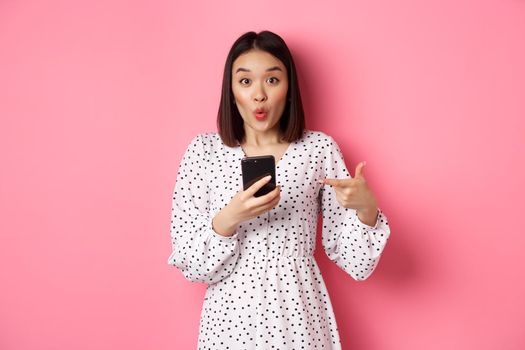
[320, 181]
[268, 177]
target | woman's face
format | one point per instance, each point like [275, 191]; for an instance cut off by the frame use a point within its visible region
[259, 81]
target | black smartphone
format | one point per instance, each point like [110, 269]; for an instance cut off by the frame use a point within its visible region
[254, 169]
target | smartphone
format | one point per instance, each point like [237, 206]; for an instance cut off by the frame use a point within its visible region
[254, 169]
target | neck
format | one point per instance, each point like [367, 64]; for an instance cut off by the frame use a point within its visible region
[260, 139]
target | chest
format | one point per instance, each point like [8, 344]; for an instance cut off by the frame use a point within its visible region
[277, 151]
[297, 173]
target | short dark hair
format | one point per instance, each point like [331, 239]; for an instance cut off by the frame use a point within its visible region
[229, 120]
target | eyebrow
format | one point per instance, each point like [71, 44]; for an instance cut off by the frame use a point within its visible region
[268, 70]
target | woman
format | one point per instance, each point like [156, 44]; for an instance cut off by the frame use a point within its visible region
[265, 289]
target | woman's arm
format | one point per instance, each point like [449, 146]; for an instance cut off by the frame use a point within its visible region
[353, 242]
[200, 253]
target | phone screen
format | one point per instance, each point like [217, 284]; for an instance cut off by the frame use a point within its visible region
[254, 169]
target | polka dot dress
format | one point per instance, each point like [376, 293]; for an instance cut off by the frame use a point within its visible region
[264, 287]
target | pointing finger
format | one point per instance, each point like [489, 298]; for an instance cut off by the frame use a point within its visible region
[359, 169]
[331, 182]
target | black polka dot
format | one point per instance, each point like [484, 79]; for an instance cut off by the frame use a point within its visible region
[265, 289]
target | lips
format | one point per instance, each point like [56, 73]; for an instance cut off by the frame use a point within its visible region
[260, 113]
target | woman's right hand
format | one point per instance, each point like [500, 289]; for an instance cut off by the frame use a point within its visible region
[244, 206]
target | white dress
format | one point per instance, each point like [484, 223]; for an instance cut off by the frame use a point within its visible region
[264, 287]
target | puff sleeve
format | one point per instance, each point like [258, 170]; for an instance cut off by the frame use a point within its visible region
[352, 245]
[201, 254]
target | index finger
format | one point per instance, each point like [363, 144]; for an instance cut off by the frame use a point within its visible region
[332, 182]
[257, 185]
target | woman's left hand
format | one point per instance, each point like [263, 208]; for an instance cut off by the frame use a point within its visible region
[354, 193]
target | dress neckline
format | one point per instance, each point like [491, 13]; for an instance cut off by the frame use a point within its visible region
[277, 162]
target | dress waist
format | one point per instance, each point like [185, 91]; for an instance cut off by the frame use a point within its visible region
[275, 256]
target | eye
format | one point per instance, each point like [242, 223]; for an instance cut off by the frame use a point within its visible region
[273, 81]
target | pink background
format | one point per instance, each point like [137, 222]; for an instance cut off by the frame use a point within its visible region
[98, 101]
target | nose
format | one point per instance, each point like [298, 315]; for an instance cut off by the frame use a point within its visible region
[259, 94]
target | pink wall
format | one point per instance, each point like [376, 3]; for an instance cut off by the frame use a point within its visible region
[99, 99]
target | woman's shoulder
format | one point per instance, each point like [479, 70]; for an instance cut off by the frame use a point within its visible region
[317, 137]
[201, 145]
[205, 139]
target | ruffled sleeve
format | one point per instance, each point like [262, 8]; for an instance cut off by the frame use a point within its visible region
[200, 253]
[354, 246]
